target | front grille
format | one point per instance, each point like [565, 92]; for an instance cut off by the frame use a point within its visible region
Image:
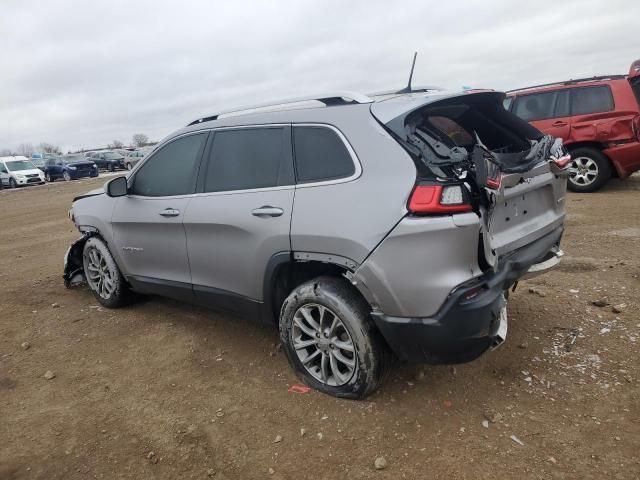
[33, 180]
[33, 175]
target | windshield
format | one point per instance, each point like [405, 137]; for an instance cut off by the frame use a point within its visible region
[72, 158]
[19, 165]
[111, 155]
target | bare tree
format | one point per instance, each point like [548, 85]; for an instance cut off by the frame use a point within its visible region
[25, 149]
[48, 148]
[5, 152]
[140, 139]
[116, 144]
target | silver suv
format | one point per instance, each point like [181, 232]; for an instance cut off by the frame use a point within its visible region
[365, 228]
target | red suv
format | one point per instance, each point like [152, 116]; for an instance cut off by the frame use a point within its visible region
[598, 118]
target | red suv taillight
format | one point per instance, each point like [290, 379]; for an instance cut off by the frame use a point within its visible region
[438, 199]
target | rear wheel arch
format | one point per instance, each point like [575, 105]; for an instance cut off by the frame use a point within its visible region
[284, 273]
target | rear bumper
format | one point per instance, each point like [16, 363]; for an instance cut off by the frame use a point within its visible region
[625, 158]
[469, 321]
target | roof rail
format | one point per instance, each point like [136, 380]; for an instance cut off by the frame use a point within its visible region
[333, 98]
[420, 89]
[571, 82]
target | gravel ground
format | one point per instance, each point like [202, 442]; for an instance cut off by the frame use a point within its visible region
[166, 390]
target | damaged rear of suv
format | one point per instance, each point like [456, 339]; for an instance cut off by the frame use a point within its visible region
[374, 227]
[487, 209]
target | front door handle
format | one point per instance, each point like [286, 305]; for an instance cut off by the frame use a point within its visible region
[559, 124]
[170, 212]
[267, 211]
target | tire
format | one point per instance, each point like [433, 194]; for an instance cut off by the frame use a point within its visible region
[103, 275]
[66, 176]
[129, 166]
[359, 373]
[12, 183]
[48, 178]
[589, 170]
[112, 168]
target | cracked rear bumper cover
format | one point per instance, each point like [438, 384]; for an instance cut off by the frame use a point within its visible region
[468, 322]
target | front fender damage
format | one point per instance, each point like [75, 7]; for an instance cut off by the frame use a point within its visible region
[73, 266]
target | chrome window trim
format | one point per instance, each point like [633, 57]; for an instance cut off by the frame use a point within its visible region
[354, 158]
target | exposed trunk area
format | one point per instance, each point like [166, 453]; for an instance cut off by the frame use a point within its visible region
[508, 167]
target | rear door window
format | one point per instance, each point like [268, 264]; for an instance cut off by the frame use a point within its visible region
[249, 158]
[591, 100]
[320, 155]
[172, 170]
[536, 106]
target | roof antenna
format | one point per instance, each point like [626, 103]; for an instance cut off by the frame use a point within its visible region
[407, 89]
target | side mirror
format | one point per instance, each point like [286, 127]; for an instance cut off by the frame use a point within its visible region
[117, 187]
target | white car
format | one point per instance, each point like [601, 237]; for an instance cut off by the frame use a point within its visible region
[18, 171]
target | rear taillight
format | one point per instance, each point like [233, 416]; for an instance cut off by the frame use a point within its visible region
[494, 176]
[438, 199]
[563, 161]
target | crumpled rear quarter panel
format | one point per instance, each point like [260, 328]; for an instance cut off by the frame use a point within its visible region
[414, 269]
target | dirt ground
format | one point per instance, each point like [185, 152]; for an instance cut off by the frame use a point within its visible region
[166, 390]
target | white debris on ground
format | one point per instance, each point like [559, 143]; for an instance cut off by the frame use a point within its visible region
[569, 358]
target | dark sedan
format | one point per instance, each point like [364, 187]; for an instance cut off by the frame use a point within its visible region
[69, 167]
[109, 160]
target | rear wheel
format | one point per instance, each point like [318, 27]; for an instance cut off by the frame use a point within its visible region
[129, 166]
[112, 167]
[589, 170]
[330, 340]
[103, 275]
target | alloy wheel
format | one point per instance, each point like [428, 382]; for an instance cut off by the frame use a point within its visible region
[583, 171]
[323, 344]
[99, 276]
[66, 176]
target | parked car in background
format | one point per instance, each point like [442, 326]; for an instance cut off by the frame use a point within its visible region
[108, 160]
[39, 158]
[69, 167]
[18, 171]
[254, 213]
[598, 119]
[133, 158]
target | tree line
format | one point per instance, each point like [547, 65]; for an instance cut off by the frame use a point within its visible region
[27, 149]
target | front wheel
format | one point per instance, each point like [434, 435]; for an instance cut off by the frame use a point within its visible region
[589, 170]
[330, 340]
[12, 183]
[66, 176]
[103, 275]
[48, 178]
[112, 167]
[129, 166]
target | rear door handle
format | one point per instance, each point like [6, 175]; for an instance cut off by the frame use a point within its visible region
[559, 124]
[170, 212]
[267, 211]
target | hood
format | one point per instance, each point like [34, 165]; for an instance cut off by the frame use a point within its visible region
[91, 193]
[31, 171]
[80, 163]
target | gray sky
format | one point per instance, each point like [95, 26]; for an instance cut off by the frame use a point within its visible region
[83, 73]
